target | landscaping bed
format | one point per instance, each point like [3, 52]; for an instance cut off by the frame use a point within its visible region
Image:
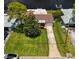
[60, 36]
[22, 45]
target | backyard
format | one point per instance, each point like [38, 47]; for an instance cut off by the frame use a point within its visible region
[60, 36]
[22, 45]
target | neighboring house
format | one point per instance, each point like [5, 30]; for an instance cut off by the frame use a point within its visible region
[8, 25]
[68, 19]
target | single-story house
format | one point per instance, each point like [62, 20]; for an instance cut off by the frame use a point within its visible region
[42, 16]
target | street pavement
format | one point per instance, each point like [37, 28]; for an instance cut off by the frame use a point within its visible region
[43, 57]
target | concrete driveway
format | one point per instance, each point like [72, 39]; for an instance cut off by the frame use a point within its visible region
[53, 50]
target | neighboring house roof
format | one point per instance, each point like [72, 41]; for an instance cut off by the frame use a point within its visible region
[41, 17]
[8, 23]
[68, 17]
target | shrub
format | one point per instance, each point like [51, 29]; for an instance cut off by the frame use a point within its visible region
[31, 32]
[19, 28]
[31, 26]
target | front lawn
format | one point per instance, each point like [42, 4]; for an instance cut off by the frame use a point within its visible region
[60, 36]
[22, 45]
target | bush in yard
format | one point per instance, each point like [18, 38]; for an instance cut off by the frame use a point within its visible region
[19, 28]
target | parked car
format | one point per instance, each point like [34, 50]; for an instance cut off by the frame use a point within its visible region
[11, 56]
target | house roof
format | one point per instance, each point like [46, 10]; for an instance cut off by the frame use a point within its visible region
[68, 17]
[46, 17]
[38, 11]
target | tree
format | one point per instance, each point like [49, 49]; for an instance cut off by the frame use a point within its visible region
[16, 10]
[31, 26]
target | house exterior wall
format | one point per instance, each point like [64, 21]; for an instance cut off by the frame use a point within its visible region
[41, 21]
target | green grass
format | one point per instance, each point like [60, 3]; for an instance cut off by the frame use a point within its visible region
[22, 45]
[60, 36]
